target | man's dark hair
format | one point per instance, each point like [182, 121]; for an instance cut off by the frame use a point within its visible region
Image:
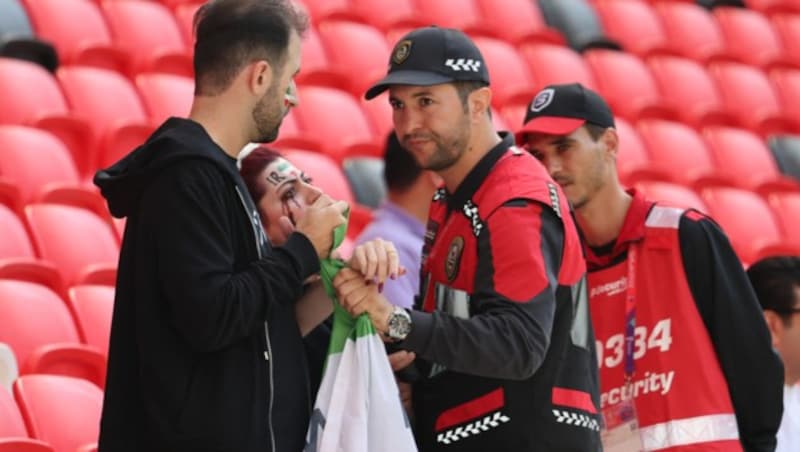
[251, 168]
[594, 130]
[774, 280]
[229, 34]
[465, 88]
[400, 170]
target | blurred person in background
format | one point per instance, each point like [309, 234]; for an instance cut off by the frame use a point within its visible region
[684, 355]
[776, 281]
[402, 216]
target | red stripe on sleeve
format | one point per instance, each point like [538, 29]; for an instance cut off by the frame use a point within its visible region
[574, 399]
[483, 405]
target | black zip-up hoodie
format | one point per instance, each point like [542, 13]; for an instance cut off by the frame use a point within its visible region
[205, 352]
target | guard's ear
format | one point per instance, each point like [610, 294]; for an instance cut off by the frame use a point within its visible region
[610, 141]
[480, 101]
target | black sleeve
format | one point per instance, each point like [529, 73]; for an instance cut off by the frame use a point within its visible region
[734, 320]
[513, 303]
[213, 303]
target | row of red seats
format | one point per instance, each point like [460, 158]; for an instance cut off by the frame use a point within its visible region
[757, 227]
[673, 152]
[50, 413]
[672, 88]
[116, 34]
[688, 30]
[51, 334]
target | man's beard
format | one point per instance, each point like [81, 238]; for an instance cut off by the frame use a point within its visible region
[448, 151]
[268, 120]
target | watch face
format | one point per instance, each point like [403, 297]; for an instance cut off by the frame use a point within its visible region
[399, 324]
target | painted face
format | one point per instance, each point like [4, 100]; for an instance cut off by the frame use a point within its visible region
[431, 122]
[575, 161]
[280, 97]
[288, 193]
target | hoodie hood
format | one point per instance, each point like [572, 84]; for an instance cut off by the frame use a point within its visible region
[123, 183]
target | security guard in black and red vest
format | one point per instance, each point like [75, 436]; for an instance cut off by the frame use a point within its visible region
[502, 336]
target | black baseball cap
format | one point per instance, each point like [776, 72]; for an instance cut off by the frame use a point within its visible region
[560, 109]
[431, 56]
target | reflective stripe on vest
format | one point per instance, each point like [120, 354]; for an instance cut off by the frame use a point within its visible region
[693, 430]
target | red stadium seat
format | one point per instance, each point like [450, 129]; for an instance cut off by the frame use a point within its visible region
[500, 123]
[11, 423]
[290, 135]
[687, 88]
[31, 96]
[633, 160]
[109, 102]
[132, 24]
[627, 84]
[165, 95]
[514, 113]
[82, 246]
[633, 24]
[93, 305]
[63, 411]
[750, 37]
[78, 31]
[552, 64]
[346, 132]
[320, 10]
[388, 14]
[356, 49]
[748, 95]
[464, 15]
[175, 4]
[787, 85]
[510, 79]
[317, 68]
[786, 208]
[691, 31]
[379, 113]
[13, 433]
[18, 258]
[671, 194]
[678, 149]
[774, 6]
[788, 28]
[329, 176]
[518, 21]
[184, 16]
[37, 325]
[735, 210]
[745, 156]
[22, 151]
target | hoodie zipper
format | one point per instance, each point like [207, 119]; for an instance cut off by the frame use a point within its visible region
[259, 236]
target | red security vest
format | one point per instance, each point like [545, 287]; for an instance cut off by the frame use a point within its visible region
[680, 392]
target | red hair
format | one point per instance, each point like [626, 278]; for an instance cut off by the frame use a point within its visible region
[251, 168]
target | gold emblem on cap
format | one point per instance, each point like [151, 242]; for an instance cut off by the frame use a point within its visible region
[401, 51]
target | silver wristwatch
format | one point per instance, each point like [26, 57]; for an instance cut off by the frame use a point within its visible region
[399, 324]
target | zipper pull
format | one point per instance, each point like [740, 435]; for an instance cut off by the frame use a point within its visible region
[266, 356]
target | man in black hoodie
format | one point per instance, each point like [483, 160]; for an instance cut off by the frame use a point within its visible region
[205, 351]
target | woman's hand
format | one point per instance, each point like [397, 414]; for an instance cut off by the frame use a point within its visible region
[377, 260]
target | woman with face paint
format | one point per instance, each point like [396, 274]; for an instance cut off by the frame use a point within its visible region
[282, 193]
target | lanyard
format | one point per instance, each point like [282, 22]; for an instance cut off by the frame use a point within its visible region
[630, 313]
